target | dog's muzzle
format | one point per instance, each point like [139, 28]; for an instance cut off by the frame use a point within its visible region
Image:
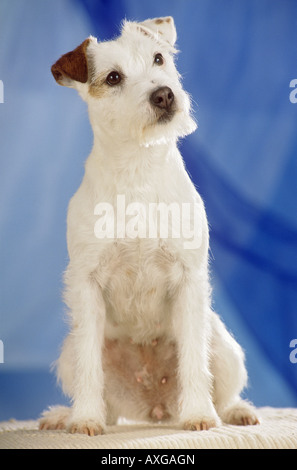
[162, 99]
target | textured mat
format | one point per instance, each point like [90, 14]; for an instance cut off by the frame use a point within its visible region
[278, 430]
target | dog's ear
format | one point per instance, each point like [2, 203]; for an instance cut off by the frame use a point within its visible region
[164, 27]
[73, 66]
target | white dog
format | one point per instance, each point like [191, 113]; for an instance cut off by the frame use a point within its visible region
[144, 342]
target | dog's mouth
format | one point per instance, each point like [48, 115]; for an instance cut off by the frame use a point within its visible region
[165, 116]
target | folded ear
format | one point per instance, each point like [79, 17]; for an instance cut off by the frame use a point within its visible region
[164, 27]
[73, 66]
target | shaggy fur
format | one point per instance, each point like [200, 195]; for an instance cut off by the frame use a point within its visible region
[144, 342]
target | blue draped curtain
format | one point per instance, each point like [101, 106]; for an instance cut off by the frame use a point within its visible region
[237, 60]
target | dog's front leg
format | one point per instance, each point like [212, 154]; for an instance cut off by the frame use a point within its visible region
[85, 299]
[192, 332]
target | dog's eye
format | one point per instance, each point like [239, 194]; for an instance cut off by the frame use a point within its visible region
[113, 78]
[158, 59]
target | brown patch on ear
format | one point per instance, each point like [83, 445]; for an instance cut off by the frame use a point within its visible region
[168, 20]
[159, 21]
[72, 65]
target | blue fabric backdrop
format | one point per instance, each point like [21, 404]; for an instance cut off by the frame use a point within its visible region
[237, 60]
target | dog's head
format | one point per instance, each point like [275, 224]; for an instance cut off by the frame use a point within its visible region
[131, 85]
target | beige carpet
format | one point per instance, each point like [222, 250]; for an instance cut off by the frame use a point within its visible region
[278, 430]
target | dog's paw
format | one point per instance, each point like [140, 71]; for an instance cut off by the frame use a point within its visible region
[242, 414]
[88, 427]
[54, 418]
[200, 424]
[249, 420]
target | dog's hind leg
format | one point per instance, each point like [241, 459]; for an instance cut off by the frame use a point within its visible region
[230, 377]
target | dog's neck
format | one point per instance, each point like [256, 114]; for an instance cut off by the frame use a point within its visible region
[129, 163]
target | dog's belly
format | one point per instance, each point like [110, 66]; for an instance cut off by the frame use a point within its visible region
[138, 279]
[141, 381]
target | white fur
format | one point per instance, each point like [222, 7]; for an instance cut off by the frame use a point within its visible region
[141, 288]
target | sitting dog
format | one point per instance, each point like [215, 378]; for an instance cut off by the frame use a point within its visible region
[144, 342]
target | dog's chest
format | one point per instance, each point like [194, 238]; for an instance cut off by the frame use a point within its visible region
[138, 279]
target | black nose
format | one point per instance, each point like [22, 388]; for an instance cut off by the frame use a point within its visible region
[163, 98]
